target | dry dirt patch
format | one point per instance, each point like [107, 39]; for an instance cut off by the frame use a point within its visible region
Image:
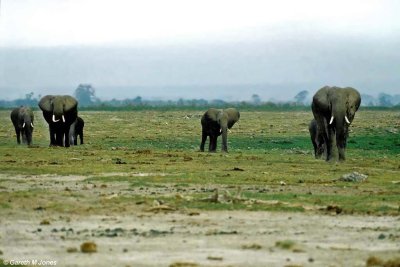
[218, 238]
[156, 237]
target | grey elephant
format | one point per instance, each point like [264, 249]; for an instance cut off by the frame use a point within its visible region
[334, 109]
[60, 111]
[216, 122]
[22, 119]
[76, 130]
[316, 139]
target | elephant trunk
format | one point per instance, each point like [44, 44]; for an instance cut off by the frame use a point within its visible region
[338, 114]
[224, 131]
[27, 131]
[341, 129]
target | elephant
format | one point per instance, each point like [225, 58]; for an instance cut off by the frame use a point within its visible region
[22, 118]
[60, 111]
[75, 130]
[334, 109]
[316, 139]
[216, 122]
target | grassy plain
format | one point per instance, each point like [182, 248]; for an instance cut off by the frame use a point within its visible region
[270, 159]
[143, 193]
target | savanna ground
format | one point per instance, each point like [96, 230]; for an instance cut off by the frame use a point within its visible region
[143, 194]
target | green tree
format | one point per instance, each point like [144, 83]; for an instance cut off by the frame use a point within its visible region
[256, 99]
[385, 100]
[301, 97]
[85, 94]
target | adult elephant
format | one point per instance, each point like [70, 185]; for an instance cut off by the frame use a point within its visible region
[60, 111]
[22, 119]
[216, 122]
[334, 109]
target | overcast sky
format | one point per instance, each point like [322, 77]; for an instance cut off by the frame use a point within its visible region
[44, 45]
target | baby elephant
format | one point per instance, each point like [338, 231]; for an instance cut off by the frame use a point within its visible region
[316, 139]
[22, 118]
[216, 122]
[75, 130]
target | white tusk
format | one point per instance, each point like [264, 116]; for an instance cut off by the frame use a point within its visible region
[32, 124]
[331, 120]
[347, 120]
[54, 118]
[23, 125]
[63, 118]
[220, 130]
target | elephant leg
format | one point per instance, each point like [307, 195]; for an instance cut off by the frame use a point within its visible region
[59, 139]
[66, 137]
[18, 132]
[81, 137]
[213, 143]
[76, 139]
[315, 148]
[210, 144]
[320, 146]
[203, 140]
[53, 135]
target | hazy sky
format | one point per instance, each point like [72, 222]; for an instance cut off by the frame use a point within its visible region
[44, 45]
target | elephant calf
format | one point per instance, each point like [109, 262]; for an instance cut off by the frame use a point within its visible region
[316, 139]
[22, 118]
[75, 130]
[216, 122]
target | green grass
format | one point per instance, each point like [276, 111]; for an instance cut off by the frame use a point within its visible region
[265, 148]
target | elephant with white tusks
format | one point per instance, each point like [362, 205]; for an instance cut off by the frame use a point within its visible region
[60, 111]
[22, 119]
[216, 122]
[334, 109]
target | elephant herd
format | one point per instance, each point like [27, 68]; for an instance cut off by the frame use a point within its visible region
[333, 108]
[60, 112]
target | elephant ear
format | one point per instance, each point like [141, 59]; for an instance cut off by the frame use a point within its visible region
[70, 103]
[45, 103]
[353, 97]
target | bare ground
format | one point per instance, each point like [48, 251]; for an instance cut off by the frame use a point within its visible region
[140, 235]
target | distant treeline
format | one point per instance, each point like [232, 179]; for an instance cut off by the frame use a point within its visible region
[86, 96]
[183, 104]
